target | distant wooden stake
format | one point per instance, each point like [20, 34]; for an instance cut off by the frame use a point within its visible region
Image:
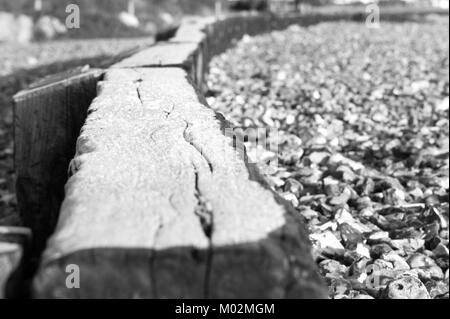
[38, 5]
[131, 7]
[218, 8]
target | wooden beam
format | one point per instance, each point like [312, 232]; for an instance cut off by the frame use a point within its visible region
[48, 118]
[161, 205]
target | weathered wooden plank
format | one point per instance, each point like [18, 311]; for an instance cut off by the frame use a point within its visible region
[47, 122]
[162, 206]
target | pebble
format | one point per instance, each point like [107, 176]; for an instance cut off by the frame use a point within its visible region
[332, 267]
[328, 244]
[406, 287]
[398, 262]
[376, 251]
[441, 251]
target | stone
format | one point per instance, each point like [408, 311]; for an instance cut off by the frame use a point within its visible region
[333, 268]
[398, 262]
[438, 289]
[291, 198]
[406, 287]
[362, 297]
[129, 20]
[308, 213]
[378, 237]
[394, 196]
[420, 261]
[426, 267]
[441, 251]
[362, 250]
[15, 28]
[338, 286]
[337, 159]
[343, 216]
[376, 251]
[407, 246]
[429, 273]
[350, 236]
[341, 199]
[328, 244]
[293, 186]
[48, 27]
[345, 174]
[318, 158]
[358, 269]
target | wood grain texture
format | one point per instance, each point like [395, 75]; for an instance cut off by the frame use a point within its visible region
[161, 205]
[47, 123]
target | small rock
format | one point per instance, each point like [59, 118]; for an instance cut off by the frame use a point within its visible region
[291, 198]
[441, 251]
[332, 267]
[429, 273]
[407, 246]
[48, 27]
[293, 186]
[341, 199]
[426, 267]
[318, 158]
[350, 236]
[379, 237]
[394, 197]
[378, 250]
[337, 159]
[15, 28]
[308, 213]
[344, 217]
[420, 261]
[128, 19]
[338, 286]
[362, 250]
[328, 244]
[406, 287]
[438, 289]
[398, 262]
[345, 174]
[362, 297]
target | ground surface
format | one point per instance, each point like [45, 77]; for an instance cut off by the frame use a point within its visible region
[360, 119]
[20, 66]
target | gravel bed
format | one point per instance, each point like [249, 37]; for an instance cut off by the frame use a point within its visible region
[21, 65]
[360, 119]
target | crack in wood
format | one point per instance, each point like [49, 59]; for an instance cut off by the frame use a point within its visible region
[188, 138]
[204, 211]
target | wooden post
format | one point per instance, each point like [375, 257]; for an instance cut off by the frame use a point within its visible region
[218, 8]
[132, 7]
[38, 6]
[47, 121]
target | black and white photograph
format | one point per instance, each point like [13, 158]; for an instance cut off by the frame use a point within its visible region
[218, 158]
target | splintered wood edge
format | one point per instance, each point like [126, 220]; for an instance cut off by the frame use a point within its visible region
[160, 205]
